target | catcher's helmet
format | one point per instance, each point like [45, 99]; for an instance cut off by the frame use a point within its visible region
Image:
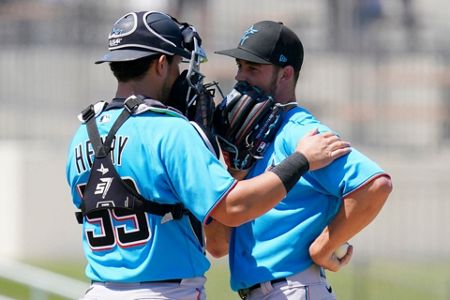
[140, 34]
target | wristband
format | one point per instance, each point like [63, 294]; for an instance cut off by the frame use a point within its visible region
[291, 169]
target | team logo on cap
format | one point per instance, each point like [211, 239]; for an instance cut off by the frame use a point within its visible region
[125, 26]
[247, 34]
[116, 31]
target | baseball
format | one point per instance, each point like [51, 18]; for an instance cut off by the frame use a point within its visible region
[341, 251]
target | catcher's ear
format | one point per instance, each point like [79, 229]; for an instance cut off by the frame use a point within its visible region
[161, 65]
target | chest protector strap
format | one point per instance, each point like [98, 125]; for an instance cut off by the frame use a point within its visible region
[105, 189]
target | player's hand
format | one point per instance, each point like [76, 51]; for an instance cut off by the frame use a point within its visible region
[328, 260]
[320, 149]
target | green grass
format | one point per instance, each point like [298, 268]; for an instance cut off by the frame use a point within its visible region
[372, 280]
[218, 282]
[17, 291]
[393, 280]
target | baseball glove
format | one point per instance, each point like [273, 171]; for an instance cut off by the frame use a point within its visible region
[245, 123]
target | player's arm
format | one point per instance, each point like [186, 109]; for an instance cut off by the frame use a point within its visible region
[217, 238]
[253, 197]
[357, 211]
[217, 235]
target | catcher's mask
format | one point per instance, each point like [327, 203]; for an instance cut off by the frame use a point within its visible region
[189, 84]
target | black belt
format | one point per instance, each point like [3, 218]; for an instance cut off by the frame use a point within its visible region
[141, 282]
[243, 293]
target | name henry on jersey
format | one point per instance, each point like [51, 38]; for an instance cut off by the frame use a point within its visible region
[84, 153]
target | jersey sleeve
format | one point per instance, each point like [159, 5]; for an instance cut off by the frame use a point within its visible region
[197, 177]
[345, 174]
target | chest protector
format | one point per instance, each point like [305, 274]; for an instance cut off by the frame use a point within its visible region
[105, 189]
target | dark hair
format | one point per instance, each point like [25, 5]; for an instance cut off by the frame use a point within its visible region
[134, 70]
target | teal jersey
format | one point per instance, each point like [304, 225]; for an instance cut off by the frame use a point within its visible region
[276, 244]
[167, 162]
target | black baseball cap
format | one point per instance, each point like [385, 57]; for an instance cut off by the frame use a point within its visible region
[140, 34]
[269, 42]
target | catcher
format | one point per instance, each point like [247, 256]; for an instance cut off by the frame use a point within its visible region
[283, 253]
[145, 180]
